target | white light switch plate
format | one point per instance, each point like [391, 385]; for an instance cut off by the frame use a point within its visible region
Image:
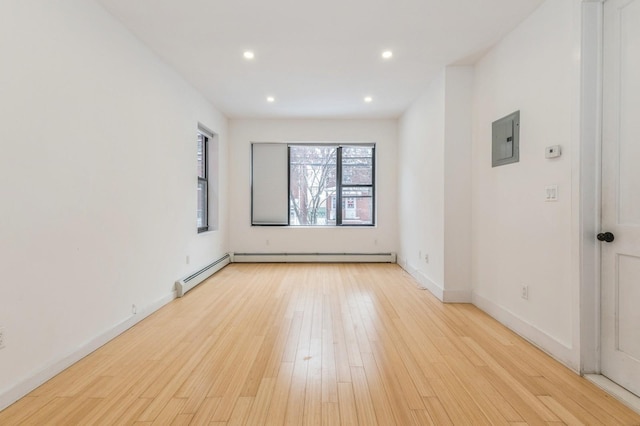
[551, 193]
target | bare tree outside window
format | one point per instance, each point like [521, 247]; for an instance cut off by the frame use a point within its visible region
[325, 177]
[312, 184]
[327, 184]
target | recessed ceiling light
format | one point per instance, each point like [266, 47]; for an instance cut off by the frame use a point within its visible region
[248, 54]
[368, 99]
[271, 99]
[387, 54]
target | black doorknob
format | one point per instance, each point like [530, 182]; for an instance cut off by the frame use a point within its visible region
[606, 236]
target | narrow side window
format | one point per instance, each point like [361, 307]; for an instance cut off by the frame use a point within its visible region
[203, 182]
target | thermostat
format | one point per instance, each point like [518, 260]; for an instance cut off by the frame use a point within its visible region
[552, 151]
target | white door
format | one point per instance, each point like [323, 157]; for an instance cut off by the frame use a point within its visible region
[620, 322]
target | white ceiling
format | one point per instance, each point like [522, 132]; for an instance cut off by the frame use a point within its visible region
[319, 59]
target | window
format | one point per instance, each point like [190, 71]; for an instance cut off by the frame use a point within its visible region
[356, 173]
[312, 184]
[320, 178]
[203, 182]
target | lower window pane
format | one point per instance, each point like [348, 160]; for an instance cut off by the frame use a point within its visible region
[202, 204]
[357, 206]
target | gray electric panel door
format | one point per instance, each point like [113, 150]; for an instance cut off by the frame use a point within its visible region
[505, 145]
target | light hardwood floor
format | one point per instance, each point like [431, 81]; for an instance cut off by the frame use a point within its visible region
[317, 344]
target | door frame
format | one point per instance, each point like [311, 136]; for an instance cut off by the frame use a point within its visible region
[590, 176]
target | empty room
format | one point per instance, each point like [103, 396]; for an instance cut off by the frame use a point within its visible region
[410, 212]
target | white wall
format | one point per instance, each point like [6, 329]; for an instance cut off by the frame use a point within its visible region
[518, 238]
[488, 230]
[248, 239]
[435, 186]
[97, 184]
[421, 186]
[457, 183]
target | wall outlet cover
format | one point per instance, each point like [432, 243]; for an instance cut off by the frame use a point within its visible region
[551, 193]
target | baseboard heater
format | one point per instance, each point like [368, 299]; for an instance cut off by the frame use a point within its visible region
[312, 257]
[189, 282]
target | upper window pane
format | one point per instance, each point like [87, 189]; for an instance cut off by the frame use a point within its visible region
[357, 165]
[312, 183]
[202, 166]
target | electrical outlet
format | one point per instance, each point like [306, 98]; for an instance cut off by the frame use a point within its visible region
[426, 258]
[134, 309]
[551, 193]
[524, 292]
[2, 338]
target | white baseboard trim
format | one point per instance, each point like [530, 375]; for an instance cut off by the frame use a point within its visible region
[312, 257]
[21, 389]
[618, 392]
[445, 296]
[422, 280]
[543, 341]
[457, 296]
[430, 285]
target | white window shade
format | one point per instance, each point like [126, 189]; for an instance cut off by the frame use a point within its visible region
[269, 184]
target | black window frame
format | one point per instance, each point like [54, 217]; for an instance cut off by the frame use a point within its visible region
[340, 185]
[204, 180]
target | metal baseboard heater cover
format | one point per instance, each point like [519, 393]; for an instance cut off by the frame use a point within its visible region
[313, 257]
[187, 283]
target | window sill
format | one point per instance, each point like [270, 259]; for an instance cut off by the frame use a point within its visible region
[207, 232]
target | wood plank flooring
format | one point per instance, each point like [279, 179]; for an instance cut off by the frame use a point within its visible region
[306, 344]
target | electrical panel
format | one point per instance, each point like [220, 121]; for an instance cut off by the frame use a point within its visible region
[505, 144]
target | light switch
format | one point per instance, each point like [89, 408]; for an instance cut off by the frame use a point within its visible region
[551, 193]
